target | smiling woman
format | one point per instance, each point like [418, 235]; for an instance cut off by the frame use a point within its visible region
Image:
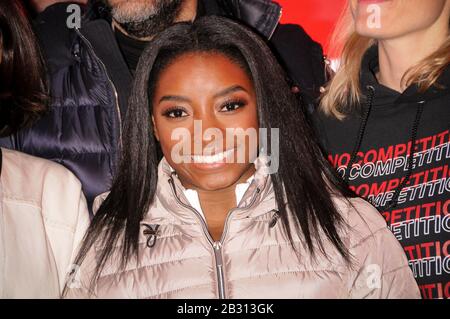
[219, 93]
[216, 228]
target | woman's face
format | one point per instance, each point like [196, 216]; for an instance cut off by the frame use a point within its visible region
[388, 19]
[199, 99]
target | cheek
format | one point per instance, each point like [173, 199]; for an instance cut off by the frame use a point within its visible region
[422, 14]
[248, 118]
[246, 127]
[165, 139]
[169, 134]
[253, 119]
[250, 140]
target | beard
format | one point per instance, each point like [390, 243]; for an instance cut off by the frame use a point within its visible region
[144, 18]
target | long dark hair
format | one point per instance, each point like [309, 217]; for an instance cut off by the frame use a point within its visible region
[23, 85]
[303, 183]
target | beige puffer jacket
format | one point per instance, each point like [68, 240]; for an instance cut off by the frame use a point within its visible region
[43, 216]
[179, 259]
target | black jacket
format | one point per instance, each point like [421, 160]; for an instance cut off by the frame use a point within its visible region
[90, 83]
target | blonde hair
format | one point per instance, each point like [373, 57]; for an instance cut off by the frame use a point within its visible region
[343, 92]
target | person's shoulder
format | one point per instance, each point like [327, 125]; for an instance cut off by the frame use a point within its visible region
[27, 177]
[375, 255]
[362, 220]
[293, 36]
[328, 119]
[42, 186]
[302, 58]
[335, 130]
[318, 116]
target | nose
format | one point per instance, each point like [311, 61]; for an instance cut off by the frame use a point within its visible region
[209, 132]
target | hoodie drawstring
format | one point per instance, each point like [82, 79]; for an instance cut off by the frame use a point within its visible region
[394, 201]
[420, 107]
[362, 129]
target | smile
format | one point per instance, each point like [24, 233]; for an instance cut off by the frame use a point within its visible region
[212, 159]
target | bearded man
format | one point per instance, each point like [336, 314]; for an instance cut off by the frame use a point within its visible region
[91, 70]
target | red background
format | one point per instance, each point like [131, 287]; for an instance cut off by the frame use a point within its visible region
[317, 17]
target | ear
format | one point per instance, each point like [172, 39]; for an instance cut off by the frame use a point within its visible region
[155, 130]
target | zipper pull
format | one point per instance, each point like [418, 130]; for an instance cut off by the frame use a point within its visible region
[217, 250]
[151, 230]
[275, 218]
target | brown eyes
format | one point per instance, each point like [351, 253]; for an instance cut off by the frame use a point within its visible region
[232, 106]
[175, 112]
[180, 112]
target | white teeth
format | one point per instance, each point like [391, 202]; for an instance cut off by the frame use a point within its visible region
[211, 159]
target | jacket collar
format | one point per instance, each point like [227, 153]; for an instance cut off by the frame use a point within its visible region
[257, 200]
[261, 15]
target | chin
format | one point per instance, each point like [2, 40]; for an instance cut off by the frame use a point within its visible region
[216, 179]
[378, 33]
[131, 11]
[370, 33]
[216, 182]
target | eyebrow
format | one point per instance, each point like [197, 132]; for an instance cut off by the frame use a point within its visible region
[229, 90]
[175, 98]
[178, 98]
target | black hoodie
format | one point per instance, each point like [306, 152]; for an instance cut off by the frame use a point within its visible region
[413, 196]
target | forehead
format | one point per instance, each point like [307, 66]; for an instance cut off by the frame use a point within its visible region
[202, 71]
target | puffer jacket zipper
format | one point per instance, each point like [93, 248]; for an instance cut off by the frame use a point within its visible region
[216, 245]
[219, 269]
[116, 97]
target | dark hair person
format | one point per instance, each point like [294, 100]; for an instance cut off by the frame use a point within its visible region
[22, 84]
[291, 234]
[42, 208]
